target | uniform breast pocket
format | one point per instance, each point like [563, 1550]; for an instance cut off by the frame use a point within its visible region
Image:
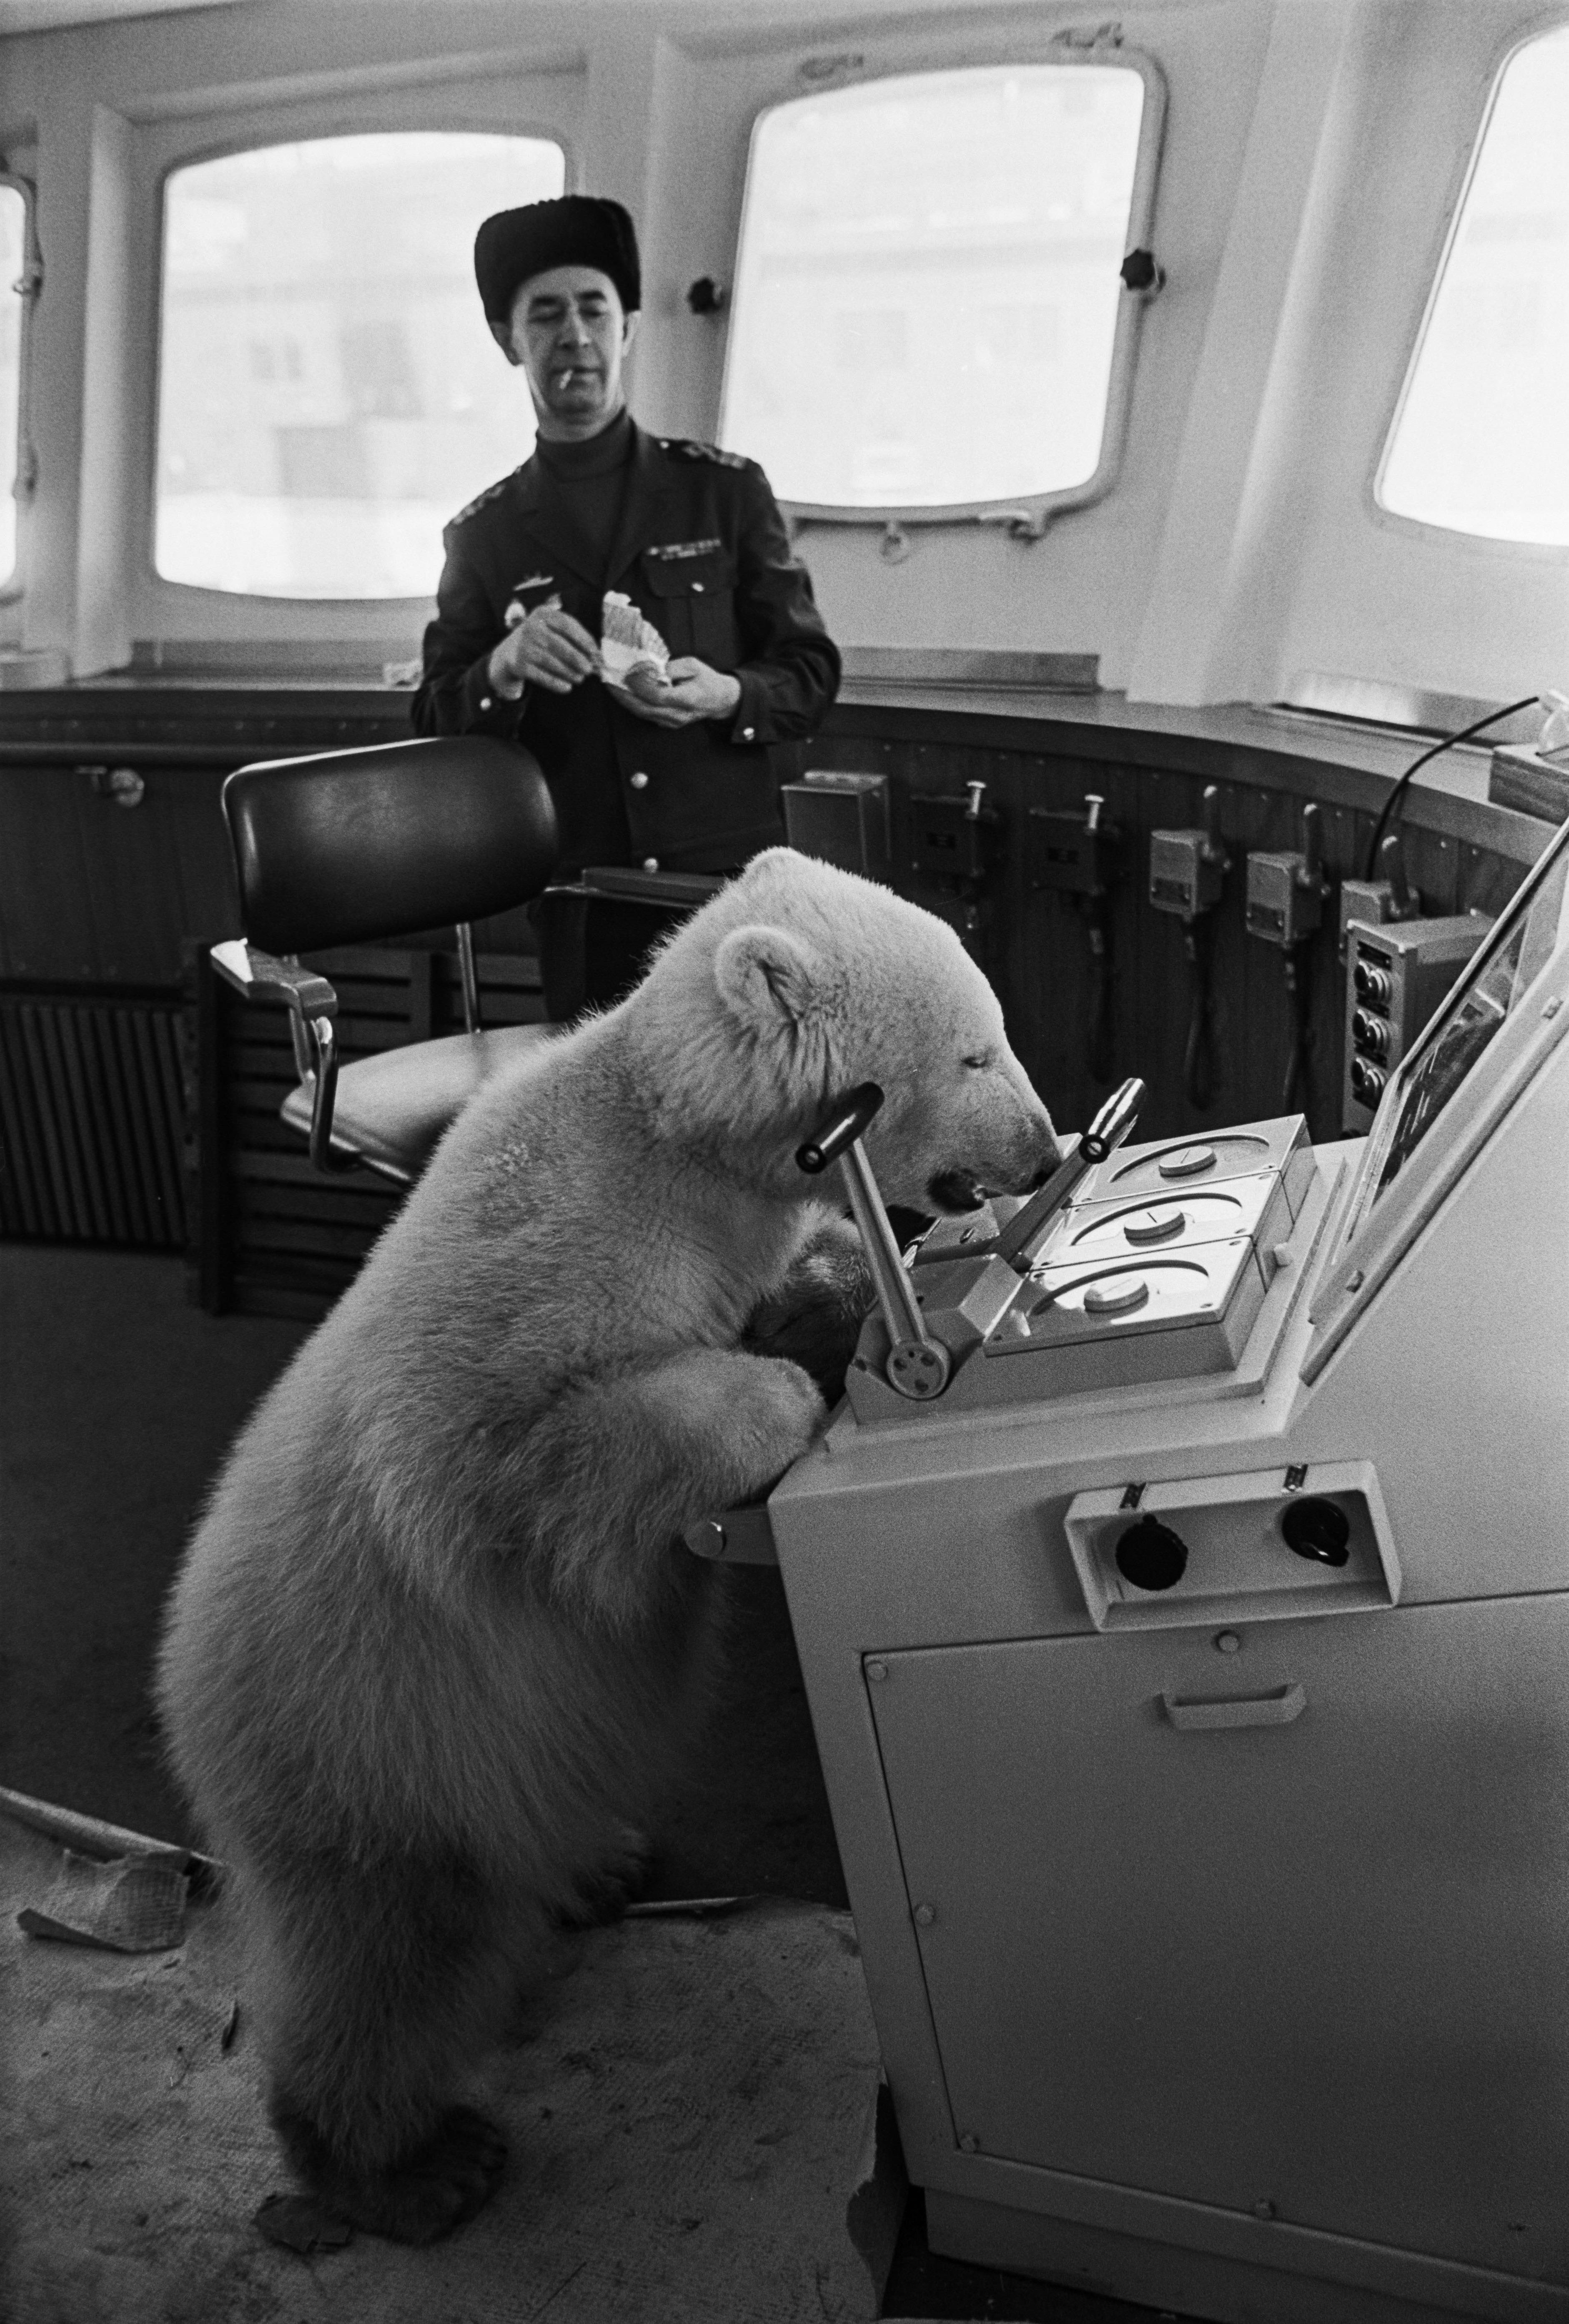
[692, 604]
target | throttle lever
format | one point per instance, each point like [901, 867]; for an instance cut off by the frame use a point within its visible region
[917, 1365]
[847, 1117]
[1026, 1231]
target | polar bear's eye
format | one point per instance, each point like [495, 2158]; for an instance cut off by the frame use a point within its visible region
[981, 1061]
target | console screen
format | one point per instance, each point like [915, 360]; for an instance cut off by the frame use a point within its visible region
[1491, 991]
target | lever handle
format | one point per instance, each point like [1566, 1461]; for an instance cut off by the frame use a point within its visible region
[845, 1122]
[1312, 845]
[1392, 863]
[1248, 1710]
[1021, 1238]
[1114, 1120]
[1213, 844]
[917, 1365]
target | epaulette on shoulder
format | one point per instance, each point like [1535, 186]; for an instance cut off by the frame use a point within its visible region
[682, 448]
[481, 500]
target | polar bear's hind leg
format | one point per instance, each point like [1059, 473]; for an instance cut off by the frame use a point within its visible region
[379, 1984]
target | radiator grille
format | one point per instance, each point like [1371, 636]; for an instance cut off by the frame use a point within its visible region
[91, 1119]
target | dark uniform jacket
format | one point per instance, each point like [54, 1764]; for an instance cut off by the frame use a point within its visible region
[702, 551]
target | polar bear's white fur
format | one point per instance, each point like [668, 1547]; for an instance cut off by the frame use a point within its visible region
[436, 1648]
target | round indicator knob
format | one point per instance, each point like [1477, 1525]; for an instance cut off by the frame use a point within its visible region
[919, 1368]
[1151, 1556]
[1367, 1081]
[1120, 1296]
[1155, 1226]
[1370, 1032]
[1373, 984]
[1317, 1529]
[1188, 1162]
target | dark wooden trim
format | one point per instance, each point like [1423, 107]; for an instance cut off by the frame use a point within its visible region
[1333, 762]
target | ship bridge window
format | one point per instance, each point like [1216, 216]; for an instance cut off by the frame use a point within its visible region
[929, 317]
[328, 392]
[15, 289]
[1480, 444]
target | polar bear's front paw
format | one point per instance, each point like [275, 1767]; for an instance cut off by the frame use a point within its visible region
[776, 1418]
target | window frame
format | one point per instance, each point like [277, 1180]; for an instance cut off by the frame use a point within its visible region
[1025, 515]
[31, 282]
[1396, 520]
[234, 620]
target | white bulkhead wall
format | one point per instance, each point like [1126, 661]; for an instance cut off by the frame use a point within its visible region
[1314, 151]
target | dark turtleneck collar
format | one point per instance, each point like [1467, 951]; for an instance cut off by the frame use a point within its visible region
[595, 455]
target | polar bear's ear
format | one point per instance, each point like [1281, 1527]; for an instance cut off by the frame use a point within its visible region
[767, 977]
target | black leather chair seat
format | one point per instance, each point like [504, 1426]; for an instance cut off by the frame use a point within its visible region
[392, 1108]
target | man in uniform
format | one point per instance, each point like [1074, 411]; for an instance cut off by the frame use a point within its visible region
[673, 777]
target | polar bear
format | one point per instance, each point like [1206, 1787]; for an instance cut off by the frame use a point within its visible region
[437, 1649]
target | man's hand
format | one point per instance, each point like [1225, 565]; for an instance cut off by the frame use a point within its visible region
[547, 648]
[695, 691]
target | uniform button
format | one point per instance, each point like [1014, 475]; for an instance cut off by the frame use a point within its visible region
[640, 781]
[651, 863]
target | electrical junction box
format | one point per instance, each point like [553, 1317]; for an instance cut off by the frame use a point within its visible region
[841, 818]
[1187, 869]
[1396, 975]
[1373, 902]
[1074, 853]
[952, 838]
[1197, 1740]
[1285, 897]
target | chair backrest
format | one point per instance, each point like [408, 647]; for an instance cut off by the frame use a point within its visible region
[351, 844]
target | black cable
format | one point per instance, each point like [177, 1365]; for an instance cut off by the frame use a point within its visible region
[1198, 1057]
[1100, 1034]
[1296, 962]
[1397, 794]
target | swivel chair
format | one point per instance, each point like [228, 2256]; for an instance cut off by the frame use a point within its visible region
[353, 845]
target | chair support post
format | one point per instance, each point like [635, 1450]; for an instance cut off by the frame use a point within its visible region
[304, 1060]
[471, 1017]
[325, 1077]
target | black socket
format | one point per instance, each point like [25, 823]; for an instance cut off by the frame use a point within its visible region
[1317, 1529]
[1151, 1556]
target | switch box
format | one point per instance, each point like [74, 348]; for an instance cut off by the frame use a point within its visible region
[952, 838]
[1396, 976]
[1286, 890]
[1284, 906]
[841, 819]
[1373, 902]
[1187, 868]
[1077, 854]
[1183, 876]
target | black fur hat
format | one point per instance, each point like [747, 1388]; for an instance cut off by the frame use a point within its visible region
[577, 230]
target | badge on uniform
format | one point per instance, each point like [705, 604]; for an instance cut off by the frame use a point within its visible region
[669, 551]
[517, 610]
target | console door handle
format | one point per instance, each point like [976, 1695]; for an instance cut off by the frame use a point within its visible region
[1278, 1710]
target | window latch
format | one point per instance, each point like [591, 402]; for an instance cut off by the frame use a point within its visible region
[1142, 274]
[1021, 524]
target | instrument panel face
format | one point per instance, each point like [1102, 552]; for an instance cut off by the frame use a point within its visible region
[1485, 1044]
[1495, 989]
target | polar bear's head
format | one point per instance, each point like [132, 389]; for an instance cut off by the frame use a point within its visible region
[797, 982]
